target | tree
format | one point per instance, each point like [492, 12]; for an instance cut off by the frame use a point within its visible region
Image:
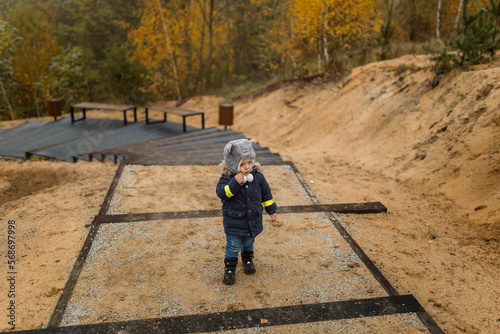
[157, 40]
[476, 36]
[208, 19]
[7, 41]
[438, 21]
[169, 49]
[334, 25]
[415, 20]
[459, 13]
[494, 11]
[387, 30]
[68, 78]
[31, 57]
[99, 28]
[250, 40]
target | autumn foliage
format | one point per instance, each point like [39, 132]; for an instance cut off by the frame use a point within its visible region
[138, 51]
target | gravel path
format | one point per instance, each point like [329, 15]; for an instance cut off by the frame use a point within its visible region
[158, 269]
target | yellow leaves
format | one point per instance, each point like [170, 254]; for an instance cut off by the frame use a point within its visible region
[156, 40]
[290, 31]
[36, 48]
[341, 20]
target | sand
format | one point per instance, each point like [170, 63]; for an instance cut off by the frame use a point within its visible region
[382, 133]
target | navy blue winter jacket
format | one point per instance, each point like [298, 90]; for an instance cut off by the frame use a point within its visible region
[242, 205]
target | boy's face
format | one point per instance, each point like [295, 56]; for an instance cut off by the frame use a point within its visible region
[246, 166]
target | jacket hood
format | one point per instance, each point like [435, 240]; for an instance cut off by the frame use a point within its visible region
[236, 151]
[224, 170]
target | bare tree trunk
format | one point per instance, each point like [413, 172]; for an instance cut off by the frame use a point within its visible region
[457, 19]
[6, 98]
[413, 21]
[291, 54]
[228, 59]
[387, 31]
[169, 50]
[319, 54]
[325, 37]
[188, 50]
[438, 21]
[497, 21]
[36, 102]
[210, 44]
[283, 25]
[202, 48]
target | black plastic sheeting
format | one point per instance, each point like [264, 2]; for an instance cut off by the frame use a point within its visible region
[54, 133]
[99, 140]
[161, 143]
[25, 127]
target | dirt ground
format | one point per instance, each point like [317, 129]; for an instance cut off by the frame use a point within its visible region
[382, 133]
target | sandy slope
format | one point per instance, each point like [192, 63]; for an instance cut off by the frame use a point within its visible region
[431, 155]
[386, 117]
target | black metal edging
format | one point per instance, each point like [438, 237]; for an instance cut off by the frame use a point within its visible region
[265, 317]
[57, 315]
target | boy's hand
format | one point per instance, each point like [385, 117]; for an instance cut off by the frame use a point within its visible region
[273, 216]
[239, 178]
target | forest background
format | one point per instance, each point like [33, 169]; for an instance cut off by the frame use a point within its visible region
[141, 51]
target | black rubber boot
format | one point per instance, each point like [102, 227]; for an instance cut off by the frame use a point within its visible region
[229, 270]
[247, 259]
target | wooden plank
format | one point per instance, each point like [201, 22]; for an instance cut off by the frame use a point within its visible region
[140, 217]
[360, 208]
[274, 316]
[103, 106]
[174, 110]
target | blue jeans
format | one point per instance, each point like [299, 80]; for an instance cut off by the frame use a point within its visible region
[235, 244]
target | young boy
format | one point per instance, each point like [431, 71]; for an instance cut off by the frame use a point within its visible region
[244, 192]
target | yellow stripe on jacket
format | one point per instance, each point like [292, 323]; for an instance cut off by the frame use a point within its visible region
[267, 203]
[229, 194]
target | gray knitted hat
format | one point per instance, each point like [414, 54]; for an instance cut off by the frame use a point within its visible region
[236, 151]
